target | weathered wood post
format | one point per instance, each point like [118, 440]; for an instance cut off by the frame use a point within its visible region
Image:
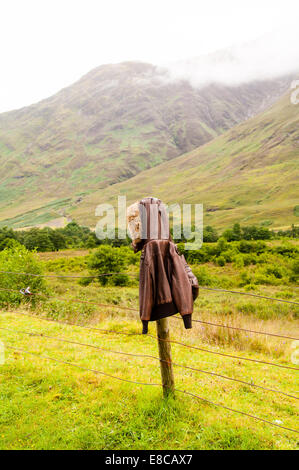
[165, 357]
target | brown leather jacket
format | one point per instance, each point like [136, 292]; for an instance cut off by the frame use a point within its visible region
[167, 284]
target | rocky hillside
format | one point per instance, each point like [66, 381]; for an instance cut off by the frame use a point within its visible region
[115, 122]
[249, 174]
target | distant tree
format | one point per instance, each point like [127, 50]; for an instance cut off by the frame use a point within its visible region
[210, 234]
[256, 233]
[91, 241]
[234, 234]
[38, 240]
[237, 232]
[292, 232]
[75, 234]
[58, 240]
[228, 235]
[6, 234]
[263, 233]
[107, 259]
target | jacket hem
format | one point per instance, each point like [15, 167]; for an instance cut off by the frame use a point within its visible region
[187, 321]
[144, 327]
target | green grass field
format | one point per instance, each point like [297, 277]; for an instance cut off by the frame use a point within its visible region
[49, 405]
[45, 405]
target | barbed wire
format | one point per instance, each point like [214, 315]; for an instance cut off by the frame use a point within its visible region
[242, 358]
[84, 368]
[150, 384]
[136, 310]
[56, 338]
[93, 328]
[181, 344]
[101, 330]
[238, 328]
[250, 294]
[235, 411]
[136, 275]
[70, 300]
[67, 276]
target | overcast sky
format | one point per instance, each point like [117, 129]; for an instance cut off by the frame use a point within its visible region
[48, 44]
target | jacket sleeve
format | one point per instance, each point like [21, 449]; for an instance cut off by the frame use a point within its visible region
[181, 286]
[146, 292]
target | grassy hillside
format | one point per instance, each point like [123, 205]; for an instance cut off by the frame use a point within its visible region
[249, 174]
[115, 122]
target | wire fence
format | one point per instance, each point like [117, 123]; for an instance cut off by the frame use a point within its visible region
[242, 381]
[121, 307]
[151, 384]
[137, 275]
[148, 356]
[103, 330]
[266, 333]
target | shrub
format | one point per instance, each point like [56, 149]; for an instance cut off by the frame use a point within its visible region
[6, 243]
[239, 261]
[67, 265]
[247, 259]
[263, 258]
[295, 271]
[85, 281]
[276, 271]
[234, 234]
[91, 241]
[286, 249]
[203, 277]
[256, 233]
[209, 234]
[107, 259]
[18, 259]
[229, 255]
[120, 280]
[222, 245]
[268, 276]
[220, 260]
[245, 279]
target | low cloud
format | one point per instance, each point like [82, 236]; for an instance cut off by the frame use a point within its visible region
[271, 56]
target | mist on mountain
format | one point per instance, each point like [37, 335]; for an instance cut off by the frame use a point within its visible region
[273, 55]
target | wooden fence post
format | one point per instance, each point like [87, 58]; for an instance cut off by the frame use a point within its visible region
[165, 357]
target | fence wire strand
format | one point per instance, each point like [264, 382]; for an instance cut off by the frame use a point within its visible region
[56, 338]
[152, 384]
[239, 329]
[136, 275]
[66, 276]
[111, 331]
[136, 310]
[242, 358]
[248, 293]
[92, 328]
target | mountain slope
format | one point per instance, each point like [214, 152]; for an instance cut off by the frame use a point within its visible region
[113, 123]
[249, 174]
